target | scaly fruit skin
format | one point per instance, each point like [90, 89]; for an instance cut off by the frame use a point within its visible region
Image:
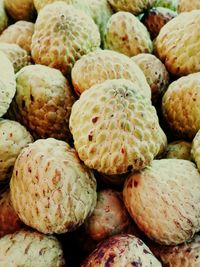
[3, 16]
[7, 83]
[155, 73]
[51, 190]
[178, 42]
[121, 250]
[18, 56]
[62, 35]
[109, 216]
[136, 7]
[178, 150]
[181, 106]
[115, 128]
[101, 65]
[19, 33]
[185, 255]
[186, 6]
[175, 185]
[43, 102]
[156, 18]
[171, 4]
[124, 33]
[196, 149]
[20, 9]
[9, 220]
[29, 249]
[13, 138]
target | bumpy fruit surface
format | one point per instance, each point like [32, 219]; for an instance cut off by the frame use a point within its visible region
[186, 6]
[101, 65]
[19, 33]
[115, 128]
[62, 35]
[175, 185]
[51, 190]
[18, 56]
[181, 105]
[155, 73]
[136, 7]
[156, 18]
[9, 220]
[124, 33]
[43, 101]
[196, 149]
[3, 16]
[20, 9]
[7, 83]
[171, 4]
[109, 216]
[13, 138]
[26, 248]
[178, 42]
[178, 150]
[121, 250]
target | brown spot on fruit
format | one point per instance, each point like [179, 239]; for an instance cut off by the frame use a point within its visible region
[95, 119]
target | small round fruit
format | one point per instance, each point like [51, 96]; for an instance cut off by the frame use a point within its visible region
[3, 16]
[186, 6]
[196, 149]
[178, 150]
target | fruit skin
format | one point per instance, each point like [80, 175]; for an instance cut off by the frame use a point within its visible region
[9, 220]
[18, 56]
[51, 190]
[178, 42]
[196, 149]
[185, 255]
[115, 128]
[178, 149]
[13, 138]
[186, 6]
[155, 18]
[155, 73]
[181, 106]
[29, 248]
[124, 33]
[51, 44]
[19, 33]
[45, 112]
[20, 9]
[171, 4]
[101, 65]
[121, 250]
[3, 16]
[175, 185]
[7, 83]
[136, 7]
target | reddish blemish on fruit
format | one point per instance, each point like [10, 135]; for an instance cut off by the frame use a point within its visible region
[135, 183]
[90, 137]
[95, 119]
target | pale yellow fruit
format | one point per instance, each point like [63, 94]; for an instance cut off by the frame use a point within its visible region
[51, 190]
[185, 5]
[173, 184]
[3, 16]
[115, 128]
[178, 150]
[196, 149]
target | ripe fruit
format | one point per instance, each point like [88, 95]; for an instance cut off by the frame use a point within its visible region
[196, 149]
[178, 150]
[186, 6]
[3, 16]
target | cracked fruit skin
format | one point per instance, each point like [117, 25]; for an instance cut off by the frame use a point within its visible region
[115, 128]
[196, 149]
[175, 185]
[51, 190]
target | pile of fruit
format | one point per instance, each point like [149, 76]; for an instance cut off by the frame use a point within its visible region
[99, 133]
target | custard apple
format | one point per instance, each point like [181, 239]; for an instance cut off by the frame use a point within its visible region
[3, 16]
[196, 149]
[187, 5]
[178, 150]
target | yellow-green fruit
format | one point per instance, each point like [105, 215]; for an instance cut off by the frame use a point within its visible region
[17, 55]
[181, 106]
[62, 35]
[185, 5]
[178, 42]
[3, 16]
[155, 73]
[109, 216]
[13, 138]
[101, 65]
[7, 83]
[43, 102]
[175, 185]
[171, 4]
[124, 33]
[20, 9]
[115, 128]
[121, 250]
[185, 255]
[19, 33]
[196, 149]
[28, 248]
[51, 190]
[9, 220]
[136, 7]
[178, 150]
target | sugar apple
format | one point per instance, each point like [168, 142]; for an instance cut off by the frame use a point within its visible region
[196, 149]
[3, 16]
[186, 6]
[178, 150]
